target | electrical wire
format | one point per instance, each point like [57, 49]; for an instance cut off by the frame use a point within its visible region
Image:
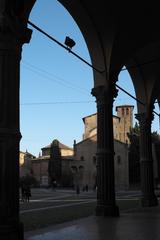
[63, 46]
[51, 103]
[53, 78]
[69, 50]
[57, 78]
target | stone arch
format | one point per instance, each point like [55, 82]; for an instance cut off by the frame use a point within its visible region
[110, 46]
[94, 40]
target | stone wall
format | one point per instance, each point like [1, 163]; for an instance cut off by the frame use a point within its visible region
[121, 166]
[85, 155]
[40, 171]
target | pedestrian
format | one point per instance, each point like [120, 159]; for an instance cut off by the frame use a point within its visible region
[86, 187]
[54, 185]
[77, 189]
[22, 192]
[27, 192]
[94, 187]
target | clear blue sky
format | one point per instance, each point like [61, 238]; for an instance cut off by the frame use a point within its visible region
[51, 75]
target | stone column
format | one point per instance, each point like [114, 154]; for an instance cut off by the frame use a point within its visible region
[11, 40]
[105, 153]
[146, 161]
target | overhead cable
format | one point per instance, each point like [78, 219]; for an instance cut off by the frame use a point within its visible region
[50, 103]
[63, 46]
[83, 60]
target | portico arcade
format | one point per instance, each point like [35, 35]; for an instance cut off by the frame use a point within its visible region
[116, 36]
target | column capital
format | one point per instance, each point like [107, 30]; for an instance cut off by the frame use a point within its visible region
[103, 93]
[144, 118]
[13, 30]
[99, 91]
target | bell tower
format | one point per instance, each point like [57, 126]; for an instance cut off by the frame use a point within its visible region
[125, 114]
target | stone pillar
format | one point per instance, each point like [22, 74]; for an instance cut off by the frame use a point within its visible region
[146, 161]
[105, 153]
[11, 40]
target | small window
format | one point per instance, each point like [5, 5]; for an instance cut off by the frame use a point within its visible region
[94, 160]
[118, 159]
[74, 169]
[81, 168]
[82, 158]
[127, 111]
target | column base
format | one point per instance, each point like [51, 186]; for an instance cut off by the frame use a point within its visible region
[12, 232]
[149, 201]
[110, 211]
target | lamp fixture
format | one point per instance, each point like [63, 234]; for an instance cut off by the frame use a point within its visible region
[69, 43]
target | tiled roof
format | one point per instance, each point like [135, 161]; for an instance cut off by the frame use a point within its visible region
[61, 146]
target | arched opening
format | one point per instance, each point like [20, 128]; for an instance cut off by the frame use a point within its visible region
[127, 162]
[123, 134]
[156, 146]
[55, 88]
[109, 45]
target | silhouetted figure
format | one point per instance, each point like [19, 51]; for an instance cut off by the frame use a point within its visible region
[86, 187]
[77, 189]
[27, 193]
[54, 185]
[22, 192]
[94, 187]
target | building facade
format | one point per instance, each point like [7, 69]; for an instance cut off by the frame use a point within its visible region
[40, 165]
[122, 124]
[85, 159]
[78, 166]
[25, 164]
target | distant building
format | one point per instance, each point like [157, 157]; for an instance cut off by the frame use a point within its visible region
[21, 158]
[25, 163]
[78, 165]
[122, 124]
[40, 164]
[85, 162]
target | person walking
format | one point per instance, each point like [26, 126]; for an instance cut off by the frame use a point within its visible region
[77, 190]
[27, 192]
[22, 192]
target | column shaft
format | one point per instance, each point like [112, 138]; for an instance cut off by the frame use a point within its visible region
[10, 227]
[105, 154]
[146, 162]
[13, 33]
